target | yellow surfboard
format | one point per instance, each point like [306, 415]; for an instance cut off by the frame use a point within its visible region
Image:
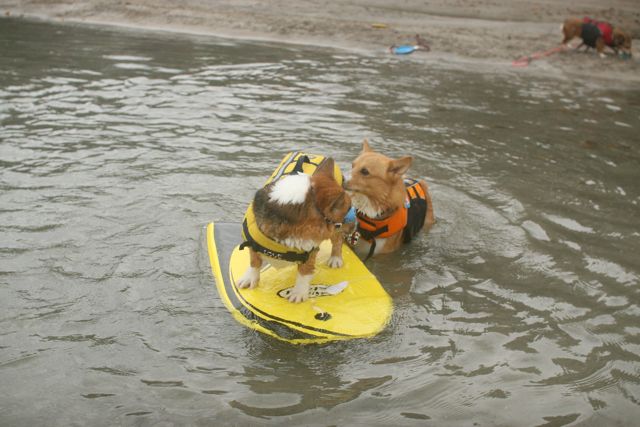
[344, 303]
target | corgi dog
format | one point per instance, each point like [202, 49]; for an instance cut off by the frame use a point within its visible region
[391, 209]
[597, 34]
[302, 204]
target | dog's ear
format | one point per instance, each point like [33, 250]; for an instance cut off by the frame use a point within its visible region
[340, 204]
[365, 146]
[326, 167]
[399, 166]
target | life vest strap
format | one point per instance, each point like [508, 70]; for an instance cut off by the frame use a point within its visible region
[302, 159]
[370, 233]
[291, 256]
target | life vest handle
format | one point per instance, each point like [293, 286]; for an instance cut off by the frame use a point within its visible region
[300, 162]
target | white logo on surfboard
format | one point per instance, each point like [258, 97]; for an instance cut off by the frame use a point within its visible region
[318, 290]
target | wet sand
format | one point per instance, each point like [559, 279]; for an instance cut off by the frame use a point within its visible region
[489, 32]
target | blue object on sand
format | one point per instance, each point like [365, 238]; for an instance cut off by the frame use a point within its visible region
[404, 49]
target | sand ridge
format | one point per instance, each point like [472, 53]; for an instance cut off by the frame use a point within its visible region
[489, 31]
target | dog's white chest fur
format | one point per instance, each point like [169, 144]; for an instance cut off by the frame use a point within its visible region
[364, 205]
[306, 245]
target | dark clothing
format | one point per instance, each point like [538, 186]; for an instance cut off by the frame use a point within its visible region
[590, 33]
[417, 210]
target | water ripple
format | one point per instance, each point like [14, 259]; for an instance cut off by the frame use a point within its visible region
[118, 146]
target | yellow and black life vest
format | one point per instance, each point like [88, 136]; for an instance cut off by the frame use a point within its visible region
[295, 162]
[292, 163]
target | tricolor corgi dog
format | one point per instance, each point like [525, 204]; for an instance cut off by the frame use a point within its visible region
[391, 209]
[302, 204]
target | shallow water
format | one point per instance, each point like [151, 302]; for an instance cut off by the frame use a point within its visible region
[520, 307]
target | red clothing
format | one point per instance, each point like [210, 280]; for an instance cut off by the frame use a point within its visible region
[606, 29]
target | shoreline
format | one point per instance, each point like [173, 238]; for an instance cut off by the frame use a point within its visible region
[476, 32]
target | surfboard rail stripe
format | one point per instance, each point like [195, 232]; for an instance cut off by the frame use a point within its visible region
[234, 300]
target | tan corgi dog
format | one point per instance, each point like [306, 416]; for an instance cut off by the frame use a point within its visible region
[391, 209]
[291, 215]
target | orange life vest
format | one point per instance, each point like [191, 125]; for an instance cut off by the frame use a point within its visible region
[409, 219]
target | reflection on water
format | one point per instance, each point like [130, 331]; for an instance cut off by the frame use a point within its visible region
[116, 147]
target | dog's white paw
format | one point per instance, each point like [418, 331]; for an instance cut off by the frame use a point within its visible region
[300, 291]
[297, 296]
[249, 279]
[335, 262]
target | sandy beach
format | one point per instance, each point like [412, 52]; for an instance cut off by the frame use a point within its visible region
[493, 32]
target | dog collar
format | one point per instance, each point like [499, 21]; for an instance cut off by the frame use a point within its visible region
[349, 217]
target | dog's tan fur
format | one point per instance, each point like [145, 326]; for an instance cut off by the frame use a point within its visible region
[572, 28]
[622, 39]
[326, 200]
[377, 181]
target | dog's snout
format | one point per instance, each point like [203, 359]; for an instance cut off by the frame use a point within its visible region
[346, 181]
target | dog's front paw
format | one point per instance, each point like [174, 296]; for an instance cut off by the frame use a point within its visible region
[300, 291]
[250, 279]
[335, 262]
[297, 295]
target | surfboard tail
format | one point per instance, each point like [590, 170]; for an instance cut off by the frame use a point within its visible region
[361, 309]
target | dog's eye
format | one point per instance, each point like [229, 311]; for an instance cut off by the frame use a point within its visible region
[364, 171]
